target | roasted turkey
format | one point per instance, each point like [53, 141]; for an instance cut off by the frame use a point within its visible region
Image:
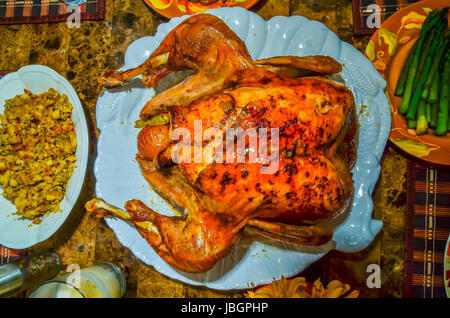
[315, 149]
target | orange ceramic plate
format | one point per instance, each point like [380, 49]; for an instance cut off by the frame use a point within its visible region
[388, 49]
[176, 8]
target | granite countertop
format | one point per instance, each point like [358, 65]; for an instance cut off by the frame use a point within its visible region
[82, 54]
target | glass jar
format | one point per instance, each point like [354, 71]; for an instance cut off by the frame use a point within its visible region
[104, 280]
[28, 272]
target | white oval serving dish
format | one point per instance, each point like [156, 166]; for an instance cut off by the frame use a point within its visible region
[254, 261]
[17, 232]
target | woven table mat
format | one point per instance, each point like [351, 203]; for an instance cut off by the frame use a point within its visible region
[9, 255]
[361, 13]
[3, 73]
[427, 230]
[42, 11]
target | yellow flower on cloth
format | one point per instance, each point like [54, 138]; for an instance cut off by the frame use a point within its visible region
[299, 288]
[334, 289]
[283, 288]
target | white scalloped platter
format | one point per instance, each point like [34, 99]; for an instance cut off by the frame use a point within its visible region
[15, 231]
[254, 261]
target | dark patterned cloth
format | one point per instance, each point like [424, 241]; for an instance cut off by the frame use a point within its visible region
[40, 11]
[362, 12]
[8, 255]
[427, 231]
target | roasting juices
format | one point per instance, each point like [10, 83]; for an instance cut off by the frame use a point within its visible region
[104, 280]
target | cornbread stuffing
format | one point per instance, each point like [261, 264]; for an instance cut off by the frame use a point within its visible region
[37, 152]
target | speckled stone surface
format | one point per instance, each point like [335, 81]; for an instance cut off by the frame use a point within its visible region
[82, 54]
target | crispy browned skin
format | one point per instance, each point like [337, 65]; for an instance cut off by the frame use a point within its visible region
[199, 43]
[317, 127]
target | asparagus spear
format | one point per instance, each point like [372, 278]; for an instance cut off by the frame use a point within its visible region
[443, 111]
[411, 114]
[434, 95]
[425, 53]
[411, 123]
[433, 115]
[438, 28]
[448, 124]
[432, 19]
[434, 69]
[422, 124]
[404, 74]
[428, 112]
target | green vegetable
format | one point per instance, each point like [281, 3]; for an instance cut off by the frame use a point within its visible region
[422, 124]
[433, 18]
[428, 112]
[411, 114]
[443, 111]
[411, 123]
[157, 120]
[433, 114]
[404, 74]
[425, 53]
[434, 68]
[434, 93]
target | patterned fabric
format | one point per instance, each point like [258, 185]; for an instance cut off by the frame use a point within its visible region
[8, 255]
[427, 230]
[40, 11]
[362, 12]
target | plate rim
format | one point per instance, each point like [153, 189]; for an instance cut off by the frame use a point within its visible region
[163, 13]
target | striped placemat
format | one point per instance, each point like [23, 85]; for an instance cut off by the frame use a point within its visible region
[41, 11]
[427, 230]
[8, 255]
[364, 10]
